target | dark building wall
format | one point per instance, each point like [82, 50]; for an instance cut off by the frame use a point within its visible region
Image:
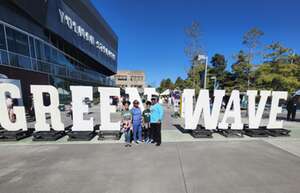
[26, 78]
[81, 11]
[41, 18]
[17, 17]
[93, 18]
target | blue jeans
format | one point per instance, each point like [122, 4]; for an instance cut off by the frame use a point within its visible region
[137, 131]
[127, 136]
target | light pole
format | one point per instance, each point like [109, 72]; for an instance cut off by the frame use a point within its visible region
[215, 81]
[202, 59]
[205, 73]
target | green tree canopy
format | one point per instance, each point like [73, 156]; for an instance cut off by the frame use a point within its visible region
[218, 64]
[165, 84]
[280, 71]
[180, 83]
[241, 71]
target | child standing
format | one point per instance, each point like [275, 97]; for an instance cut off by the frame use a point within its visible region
[136, 122]
[126, 123]
[146, 122]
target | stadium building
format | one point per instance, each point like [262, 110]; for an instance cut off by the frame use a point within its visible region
[57, 42]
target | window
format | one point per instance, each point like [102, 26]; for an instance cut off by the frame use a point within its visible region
[43, 67]
[17, 42]
[32, 50]
[2, 38]
[122, 78]
[54, 55]
[13, 59]
[47, 52]
[39, 47]
[4, 57]
[19, 61]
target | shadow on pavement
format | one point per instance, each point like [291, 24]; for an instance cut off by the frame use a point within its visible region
[181, 129]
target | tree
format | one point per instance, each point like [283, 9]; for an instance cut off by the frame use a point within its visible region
[241, 71]
[165, 84]
[295, 59]
[193, 47]
[277, 53]
[218, 63]
[192, 50]
[280, 71]
[251, 40]
[179, 83]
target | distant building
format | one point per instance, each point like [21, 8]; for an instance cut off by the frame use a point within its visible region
[127, 78]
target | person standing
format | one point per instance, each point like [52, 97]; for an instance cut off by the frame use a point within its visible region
[291, 108]
[126, 123]
[156, 118]
[136, 122]
[146, 122]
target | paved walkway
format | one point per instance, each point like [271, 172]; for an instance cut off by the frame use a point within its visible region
[186, 167]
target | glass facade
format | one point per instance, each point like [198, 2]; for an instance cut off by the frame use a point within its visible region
[22, 50]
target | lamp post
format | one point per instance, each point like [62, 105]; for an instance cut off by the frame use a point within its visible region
[215, 81]
[202, 59]
[205, 73]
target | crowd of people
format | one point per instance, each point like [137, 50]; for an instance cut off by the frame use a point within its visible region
[142, 127]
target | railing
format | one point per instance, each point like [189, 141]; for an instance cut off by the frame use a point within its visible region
[25, 62]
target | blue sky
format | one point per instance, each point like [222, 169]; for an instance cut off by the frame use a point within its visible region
[151, 32]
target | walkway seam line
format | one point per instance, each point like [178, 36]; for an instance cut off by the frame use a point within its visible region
[181, 168]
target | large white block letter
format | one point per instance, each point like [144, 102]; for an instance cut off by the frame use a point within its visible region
[149, 92]
[5, 122]
[255, 117]
[79, 93]
[202, 106]
[106, 109]
[41, 110]
[235, 113]
[134, 95]
[275, 109]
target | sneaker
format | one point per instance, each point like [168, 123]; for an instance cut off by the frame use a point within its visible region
[136, 142]
[140, 141]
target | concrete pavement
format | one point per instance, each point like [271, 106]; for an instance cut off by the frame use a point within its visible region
[186, 167]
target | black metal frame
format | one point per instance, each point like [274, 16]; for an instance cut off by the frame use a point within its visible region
[48, 135]
[201, 132]
[115, 135]
[15, 135]
[81, 135]
[263, 131]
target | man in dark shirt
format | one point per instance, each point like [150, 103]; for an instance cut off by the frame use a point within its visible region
[291, 108]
